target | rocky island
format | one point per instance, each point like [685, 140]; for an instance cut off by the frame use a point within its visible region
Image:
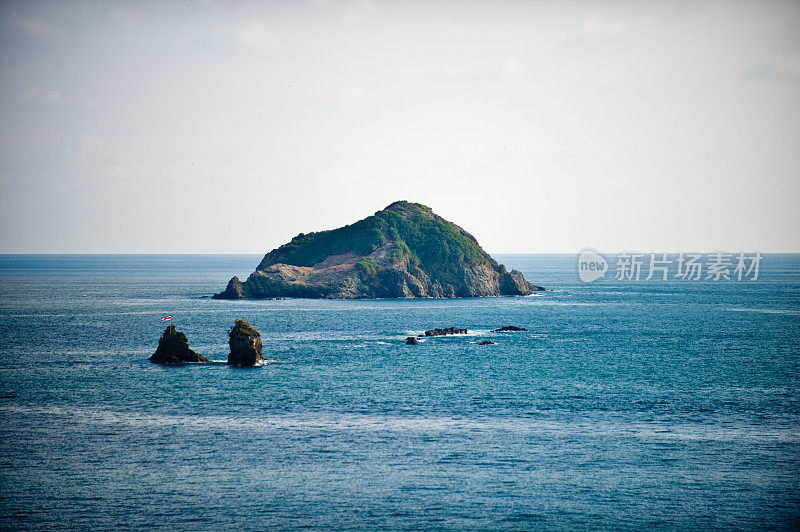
[405, 250]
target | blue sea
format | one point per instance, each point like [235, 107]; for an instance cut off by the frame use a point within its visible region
[625, 405]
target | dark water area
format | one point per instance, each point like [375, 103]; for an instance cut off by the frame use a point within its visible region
[655, 404]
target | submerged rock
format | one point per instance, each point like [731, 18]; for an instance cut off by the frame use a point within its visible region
[412, 341]
[444, 332]
[510, 328]
[173, 348]
[404, 250]
[245, 343]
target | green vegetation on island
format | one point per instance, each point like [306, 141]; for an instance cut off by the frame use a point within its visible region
[416, 232]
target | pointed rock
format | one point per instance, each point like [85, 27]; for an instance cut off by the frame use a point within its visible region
[173, 348]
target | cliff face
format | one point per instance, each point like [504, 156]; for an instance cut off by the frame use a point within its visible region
[404, 250]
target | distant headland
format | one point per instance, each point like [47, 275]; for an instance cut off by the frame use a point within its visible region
[403, 251]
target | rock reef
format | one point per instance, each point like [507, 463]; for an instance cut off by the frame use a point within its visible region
[245, 344]
[402, 251]
[173, 348]
[445, 332]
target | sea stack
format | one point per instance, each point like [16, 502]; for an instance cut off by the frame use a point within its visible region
[404, 250]
[173, 348]
[245, 343]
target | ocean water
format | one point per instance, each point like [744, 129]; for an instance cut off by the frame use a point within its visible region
[657, 405]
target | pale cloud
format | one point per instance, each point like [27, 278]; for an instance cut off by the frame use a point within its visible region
[116, 172]
[448, 72]
[411, 73]
[596, 25]
[123, 16]
[52, 96]
[254, 35]
[36, 28]
[513, 69]
[91, 148]
[359, 8]
[477, 148]
[34, 94]
[451, 70]
[351, 95]
[783, 68]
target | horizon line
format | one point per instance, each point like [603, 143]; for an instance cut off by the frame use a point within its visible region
[577, 252]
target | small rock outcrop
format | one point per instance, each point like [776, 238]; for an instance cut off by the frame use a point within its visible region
[245, 343]
[234, 290]
[173, 348]
[510, 328]
[445, 332]
[412, 341]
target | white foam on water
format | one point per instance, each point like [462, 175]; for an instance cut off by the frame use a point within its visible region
[377, 423]
[421, 334]
[224, 362]
[556, 303]
[766, 311]
[631, 293]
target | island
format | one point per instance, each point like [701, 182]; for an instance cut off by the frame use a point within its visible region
[402, 251]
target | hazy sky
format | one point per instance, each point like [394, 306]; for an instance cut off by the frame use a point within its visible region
[204, 127]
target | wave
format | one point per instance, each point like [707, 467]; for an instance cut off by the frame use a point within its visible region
[556, 303]
[220, 362]
[631, 293]
[333, 421]
[766, 311]
[373, 338]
